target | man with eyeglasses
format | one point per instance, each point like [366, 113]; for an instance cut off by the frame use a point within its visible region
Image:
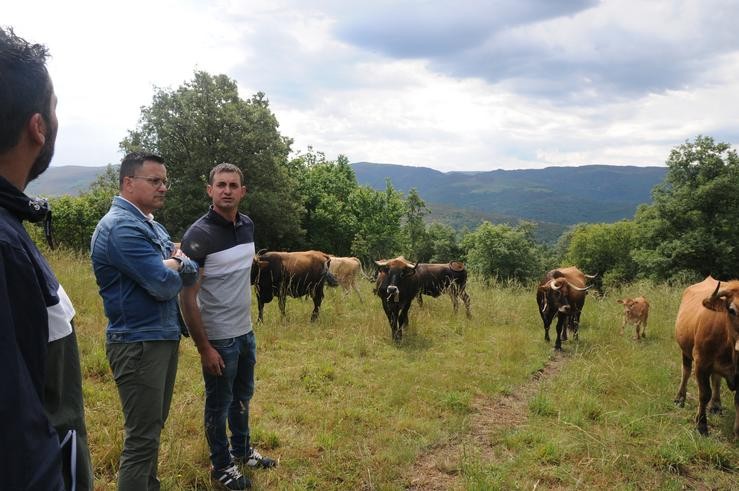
[139, 272]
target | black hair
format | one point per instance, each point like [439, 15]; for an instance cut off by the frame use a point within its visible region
[25, 86]
[133, 161]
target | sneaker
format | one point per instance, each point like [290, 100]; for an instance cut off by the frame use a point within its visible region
[255, 460]
[230, 478]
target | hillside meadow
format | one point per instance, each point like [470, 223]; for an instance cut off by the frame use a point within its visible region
[343, 407]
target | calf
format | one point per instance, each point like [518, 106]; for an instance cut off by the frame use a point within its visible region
[707, 331]
[636, 311]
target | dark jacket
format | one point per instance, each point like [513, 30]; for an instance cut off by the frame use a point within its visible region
[29, 446]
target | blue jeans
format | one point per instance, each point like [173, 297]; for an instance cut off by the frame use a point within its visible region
[227, 397]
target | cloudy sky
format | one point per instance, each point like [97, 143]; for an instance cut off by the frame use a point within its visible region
[447, 84]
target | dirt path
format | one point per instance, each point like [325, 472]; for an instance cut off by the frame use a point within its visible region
[439, 468]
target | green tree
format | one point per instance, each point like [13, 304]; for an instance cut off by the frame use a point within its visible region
[203, 123]
[75, 217]
[325, 187]
[417, 244]
[378, 216]
[502, 251]
[690, 229]
[444, 244]
[605, 249]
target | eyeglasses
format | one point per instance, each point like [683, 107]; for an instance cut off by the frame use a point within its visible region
[155, 181]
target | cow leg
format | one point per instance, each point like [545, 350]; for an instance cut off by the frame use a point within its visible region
[354, 286]
[736, 414]
[455, 301]
[575, 319]
[561, 326]
[637, 327]
[703, 377]
[260, 318]
[466, 300]
[420, 299]
[714, 406]
[644, 328]
[564, 327]
[395, 326]
[547, 324]
[282, 300]
[317, 299]
[682, 390]
[403, 317]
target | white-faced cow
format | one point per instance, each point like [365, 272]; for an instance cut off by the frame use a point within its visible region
[296, 274]
[346, 270]
[397, 286]
[707, 330]
[636, 312]
[436, 279]
[562, 293]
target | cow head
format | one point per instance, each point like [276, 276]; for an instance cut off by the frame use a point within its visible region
[390, 274]
[627, 303]
[726, 300]
[554, 295]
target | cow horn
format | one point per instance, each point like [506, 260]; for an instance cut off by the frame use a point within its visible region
[382, 262]
[580, 289]
[590, 276]
[553, 285]
[716, 292]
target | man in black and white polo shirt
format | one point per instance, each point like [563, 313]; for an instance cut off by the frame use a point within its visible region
[217, 311]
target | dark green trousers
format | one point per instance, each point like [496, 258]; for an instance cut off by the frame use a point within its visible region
[66, 412]
[144, 373]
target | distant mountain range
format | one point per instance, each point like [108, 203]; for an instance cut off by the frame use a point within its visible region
[555, 197]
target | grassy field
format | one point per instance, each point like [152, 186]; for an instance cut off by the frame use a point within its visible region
[343, 407]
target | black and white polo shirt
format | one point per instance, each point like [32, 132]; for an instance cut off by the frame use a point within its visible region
[224, 251]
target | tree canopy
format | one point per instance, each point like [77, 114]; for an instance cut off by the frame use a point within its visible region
[690, 229]
[203, 123]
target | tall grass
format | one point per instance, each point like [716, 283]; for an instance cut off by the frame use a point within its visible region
[343, 407]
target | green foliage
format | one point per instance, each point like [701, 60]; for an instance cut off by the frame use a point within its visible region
[444, 244]
[325, 187]
[203, 123]
[605, 249]
[74, 217]
[690, 229]
[378, 223]
[502, 252]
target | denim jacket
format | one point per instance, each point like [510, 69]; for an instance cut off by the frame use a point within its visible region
[139, 292]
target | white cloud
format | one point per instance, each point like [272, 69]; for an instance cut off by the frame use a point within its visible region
[614, 82]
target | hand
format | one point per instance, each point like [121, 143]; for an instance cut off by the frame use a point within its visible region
[212, 361]
[178, 254]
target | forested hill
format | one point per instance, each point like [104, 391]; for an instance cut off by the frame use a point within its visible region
[555, 195]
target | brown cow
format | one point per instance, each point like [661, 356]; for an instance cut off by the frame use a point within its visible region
[636, 311]
[296, 274]
[562, 293]
[707, 330]
[346, 270]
